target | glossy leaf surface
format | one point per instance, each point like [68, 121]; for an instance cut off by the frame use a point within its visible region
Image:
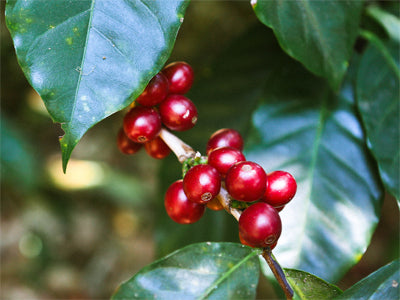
[198, 271]
[307, 286]
[320, 34]
[301, 127]
[382, 284]
[378, 102]
[88, 59]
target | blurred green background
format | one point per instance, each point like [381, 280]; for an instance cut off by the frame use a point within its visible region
[79, 234]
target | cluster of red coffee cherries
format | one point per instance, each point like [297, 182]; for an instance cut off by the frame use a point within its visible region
[246, 182]
[258, 196]
[161, 103]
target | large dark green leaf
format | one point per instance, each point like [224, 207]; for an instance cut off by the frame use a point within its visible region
[307, 286]
[198, 271]
[302, 127]
[382, 284]
[320, 34]
[378, 102]
[88, 59]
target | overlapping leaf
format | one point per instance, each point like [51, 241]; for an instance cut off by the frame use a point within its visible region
[88, 59]
[308, 286]
[382, 284]
[198, 271]
[378, 102]
[320, 34]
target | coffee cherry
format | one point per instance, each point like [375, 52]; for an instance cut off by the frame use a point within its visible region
[180, 77]
[214, 204]
[157, 148]
[223, 158]
[178, 113]
[178, 206]
[225, 137]
[201, 183]
[142, 124]
[260, 225]
[155, 91]
[280, 208]
[245, 181]
[125, 144]
[280, 188]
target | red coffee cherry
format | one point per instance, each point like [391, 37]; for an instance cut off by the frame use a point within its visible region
[201, 183]
[180, 76]
[224, 158]
[178, 206]
[225, 137]
[178, 113]
[214, 204]
[260, 225]
[155, 91]
[142, 124]
[280, 208]
[280, 188]
[157, 148]
[125, 144]
[245, 181]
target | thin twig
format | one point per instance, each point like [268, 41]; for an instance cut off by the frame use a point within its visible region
[182, 150]
[225, 199]
[278, 272]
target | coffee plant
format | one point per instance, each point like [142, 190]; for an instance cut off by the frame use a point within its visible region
[293, 131]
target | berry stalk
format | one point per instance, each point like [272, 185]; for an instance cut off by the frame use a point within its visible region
[225, 200]
[182, 150]
[278, 272]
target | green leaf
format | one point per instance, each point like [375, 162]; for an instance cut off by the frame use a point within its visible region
[388, 21]
[382, 284]
[308, 286]
[320, 34]
[305, 129]
[199, 271]
[378, 102]
[88, 59]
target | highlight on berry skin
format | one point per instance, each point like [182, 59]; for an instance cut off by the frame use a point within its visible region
[245, 181]
[142, 124]
[201, 183]
[280, 188]
[225, 137]
[180, 76]
[155, 92]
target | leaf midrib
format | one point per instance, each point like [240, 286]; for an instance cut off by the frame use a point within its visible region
[83, 60]
[227, 274]
[313, 164]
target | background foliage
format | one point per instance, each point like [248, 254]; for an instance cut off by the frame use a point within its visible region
[104, 211]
